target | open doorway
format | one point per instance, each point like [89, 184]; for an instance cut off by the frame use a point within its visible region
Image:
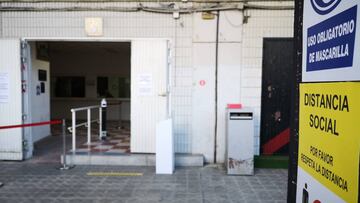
[73, 74]
[29, 63]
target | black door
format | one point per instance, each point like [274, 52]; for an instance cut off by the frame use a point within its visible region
[275, 98]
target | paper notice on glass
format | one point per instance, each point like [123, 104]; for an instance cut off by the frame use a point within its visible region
[145, 85]
[4, 87]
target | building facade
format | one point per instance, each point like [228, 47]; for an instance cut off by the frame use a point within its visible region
[216, 56]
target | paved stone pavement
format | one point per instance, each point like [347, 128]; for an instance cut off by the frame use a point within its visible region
[37, 182]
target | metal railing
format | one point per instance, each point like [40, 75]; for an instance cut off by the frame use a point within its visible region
[87, 124]
[101, 121]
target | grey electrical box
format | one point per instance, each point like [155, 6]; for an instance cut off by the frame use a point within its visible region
[240, 141]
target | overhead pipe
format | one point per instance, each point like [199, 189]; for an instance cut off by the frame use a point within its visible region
[140, 7]
[216, 83]
[145, 1]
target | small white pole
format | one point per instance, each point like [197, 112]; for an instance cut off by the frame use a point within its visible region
[88, 126]
[73, 131]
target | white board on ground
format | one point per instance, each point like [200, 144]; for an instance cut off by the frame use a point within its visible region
[165, 158]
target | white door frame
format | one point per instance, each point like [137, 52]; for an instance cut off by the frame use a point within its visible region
[86, 39]
[26, 77]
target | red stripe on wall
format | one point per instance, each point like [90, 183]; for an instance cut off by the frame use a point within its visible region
[277, 142]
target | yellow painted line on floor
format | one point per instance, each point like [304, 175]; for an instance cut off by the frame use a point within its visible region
[113, 174]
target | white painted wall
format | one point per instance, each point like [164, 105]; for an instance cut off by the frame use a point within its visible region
[228, 89]
[193, 39]
[203, 100]
[229, 57]
[40, 104]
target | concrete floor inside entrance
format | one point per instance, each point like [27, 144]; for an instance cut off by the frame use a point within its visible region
[117, 140]
[115, 150]
[49, 149]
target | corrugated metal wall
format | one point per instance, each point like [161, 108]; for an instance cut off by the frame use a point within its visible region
[120, 25]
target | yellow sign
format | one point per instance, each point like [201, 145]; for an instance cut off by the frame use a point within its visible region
[329, 135]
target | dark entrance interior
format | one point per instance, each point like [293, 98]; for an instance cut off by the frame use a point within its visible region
[275, 99]
[79, 74]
